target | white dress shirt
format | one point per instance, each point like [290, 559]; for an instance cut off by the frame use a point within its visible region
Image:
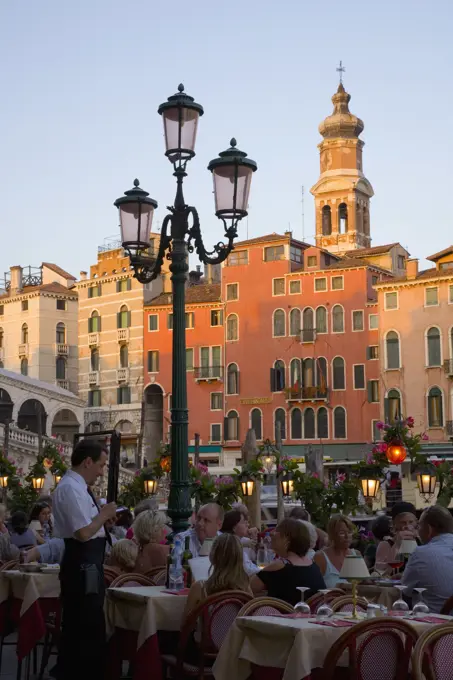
[73, 507]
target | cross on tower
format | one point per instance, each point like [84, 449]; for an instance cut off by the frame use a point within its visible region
[341, 69]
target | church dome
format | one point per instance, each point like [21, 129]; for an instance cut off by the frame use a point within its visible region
[342, 123]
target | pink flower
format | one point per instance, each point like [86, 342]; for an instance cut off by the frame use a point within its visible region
[197, 482]
[202, 468]
[387, 428]
[381, 447]
[425, 437]
[410, 422]
[369, 459]
[380, 425]
[315, 475]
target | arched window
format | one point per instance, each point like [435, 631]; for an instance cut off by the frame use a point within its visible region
[392, 346]
[308, 372]
[232, 379]
[338, 373]
[366, 220]
[342, 218]
[279, 368]
[337, 319]
[94, 322]
[435, 408]
[279, 323]
[295, 373]
[296, 423]
[294, 322]
[323, 423]
[308, 325]
[60, 334]
[392, 406]
[321, 373]
[309, 423]
[232, 327]
[24, 336]
[256, 420]
[94, 360]
[232, 426]
[124, 356]
[60, 368]
[124, 317]
[326, 221]
[321, 320]
[24, 366]
[280, 417]
[434, 351]
[339, 422]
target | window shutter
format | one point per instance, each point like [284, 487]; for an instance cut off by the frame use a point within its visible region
[149, 361]
[301, 373]
[118, 320]
[129, 316]
[128, 395]
[273, 380]
[118, 395]
[90, 292]
[225, 429]
[386, 410]
[129, 284]
[239, 429]
[90, 398]
[237, 381]
[99, 290]
[368, 353]
[90, 325]
[370, 391]
[99, 324]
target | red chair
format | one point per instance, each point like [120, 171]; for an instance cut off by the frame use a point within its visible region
[12, 564]
[211, 620]
[433, 654]
[158, 575]
[266, 606]
[379, 649]
[131, 581]
[315, 600]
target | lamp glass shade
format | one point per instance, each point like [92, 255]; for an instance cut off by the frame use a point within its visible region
[426, 482]
[354, 567]
[370, 487]
[180, 130]
[57, 478]
[135, 221]
[396, 453]
[38, 483]
[150, 486]
[287, 484]
[407, 546]
[4, 481]
[231, 189]
[247, 486]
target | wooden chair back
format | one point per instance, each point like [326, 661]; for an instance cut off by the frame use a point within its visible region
[344, 604]
[131, 581]
[266, 606]
[433, 654]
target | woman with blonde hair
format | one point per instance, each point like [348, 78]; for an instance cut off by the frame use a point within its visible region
[226, 572]
[149, 531]
[123, 556]
[340, 531]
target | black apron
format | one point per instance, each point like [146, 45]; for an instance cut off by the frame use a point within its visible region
[82, 649]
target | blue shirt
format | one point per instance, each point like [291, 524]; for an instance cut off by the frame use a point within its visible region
[431, 566]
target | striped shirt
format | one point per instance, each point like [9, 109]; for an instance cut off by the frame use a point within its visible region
[431, 566]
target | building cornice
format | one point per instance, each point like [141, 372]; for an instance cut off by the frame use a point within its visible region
[88, 283]
[408, 283]
[189, 305]
[38, 293]
[375, 268]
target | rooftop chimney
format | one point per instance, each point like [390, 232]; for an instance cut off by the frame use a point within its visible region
[16, 279]
[412, 268]
[83, 276]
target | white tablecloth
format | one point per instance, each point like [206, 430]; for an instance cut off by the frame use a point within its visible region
[297, 645]
[28, 587]
[145, 609]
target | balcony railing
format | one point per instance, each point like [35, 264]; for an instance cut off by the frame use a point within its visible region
[208, 373]
[448, 367]
[122, 374]
[123, 334]
[23, 349]
[62, 349]
[307, 393]
[64, 384]
[449, 428]
[93, 377]
[93, 339]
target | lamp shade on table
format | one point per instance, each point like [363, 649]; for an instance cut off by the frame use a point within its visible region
[354, 567]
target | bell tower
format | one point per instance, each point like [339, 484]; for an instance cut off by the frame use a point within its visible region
[342, 193]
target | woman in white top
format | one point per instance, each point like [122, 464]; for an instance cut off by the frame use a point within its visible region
[330, 560]
[40, 522]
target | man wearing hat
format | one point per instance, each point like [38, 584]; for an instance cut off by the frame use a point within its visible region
[404, 521]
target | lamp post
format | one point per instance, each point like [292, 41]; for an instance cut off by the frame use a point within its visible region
[232, 172]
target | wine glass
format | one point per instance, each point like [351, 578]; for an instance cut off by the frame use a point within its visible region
[421, 608]
[324, 610]
[396, 564]
[400, 605]
[302, 607]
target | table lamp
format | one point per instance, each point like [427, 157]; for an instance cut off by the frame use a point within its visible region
[354, 569]
[407, 546]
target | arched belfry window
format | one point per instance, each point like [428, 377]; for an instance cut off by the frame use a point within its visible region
[326, 221]
[342, 218]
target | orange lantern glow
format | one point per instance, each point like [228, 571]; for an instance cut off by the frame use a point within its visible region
[396, 452]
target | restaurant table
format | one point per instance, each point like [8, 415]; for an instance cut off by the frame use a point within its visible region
[142, 610]
[28, 598]
[296, 645]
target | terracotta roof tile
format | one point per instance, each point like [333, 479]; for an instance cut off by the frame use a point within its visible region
[58, 270]
[204, 292]
[431, 273]
[440, 254]
[45, 288]
[375, 250]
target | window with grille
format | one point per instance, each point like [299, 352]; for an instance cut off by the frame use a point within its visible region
[94, 398]
[216, 432]
[431, 296]
[238, 257]
[295, 287]
[232, 292]
[357, 320]
[216, 401]
[320, 285]
[124, 394]
[337, 283]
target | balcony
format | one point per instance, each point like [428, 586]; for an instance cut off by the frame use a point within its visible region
[307, 393]
[93, 377]
[122, 375]
[123, 334]
[64, 384]
[93, 339]
[208, 373]
[449, 428]
[448, 367]
[23, 349]
[62, 350]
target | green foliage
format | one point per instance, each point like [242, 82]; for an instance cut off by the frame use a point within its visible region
[323, 499]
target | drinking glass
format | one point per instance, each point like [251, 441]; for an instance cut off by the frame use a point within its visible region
[421, 608]
[302, 607]
[400, 605]
[324, 610]
[262, 558]
[396, 564]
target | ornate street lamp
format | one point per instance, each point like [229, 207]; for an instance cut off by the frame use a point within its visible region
[287, 484]
[247, 485]
[38, 483]
[426, 481]
[150, 485]
[232, 172]
[4, 481]
[370, 482]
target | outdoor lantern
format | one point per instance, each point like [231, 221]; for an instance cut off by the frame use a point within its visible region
[4, 481]
[180, 114]
[370, 483]
[426, 481]
[287, 484]
[136, 211]
[57, 478]
[396, 452]
[150, 485]
[247, 485]
[232, 173]
[38, 483]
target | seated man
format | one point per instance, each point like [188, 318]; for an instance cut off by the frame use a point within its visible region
[431, 565]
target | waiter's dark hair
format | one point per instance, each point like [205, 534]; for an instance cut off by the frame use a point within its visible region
[87, 448]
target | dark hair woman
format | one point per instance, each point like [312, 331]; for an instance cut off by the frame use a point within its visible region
[40, 521]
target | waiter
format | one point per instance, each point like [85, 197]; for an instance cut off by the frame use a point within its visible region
[80, 522]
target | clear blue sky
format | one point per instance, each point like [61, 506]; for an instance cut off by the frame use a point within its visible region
[81, 81]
